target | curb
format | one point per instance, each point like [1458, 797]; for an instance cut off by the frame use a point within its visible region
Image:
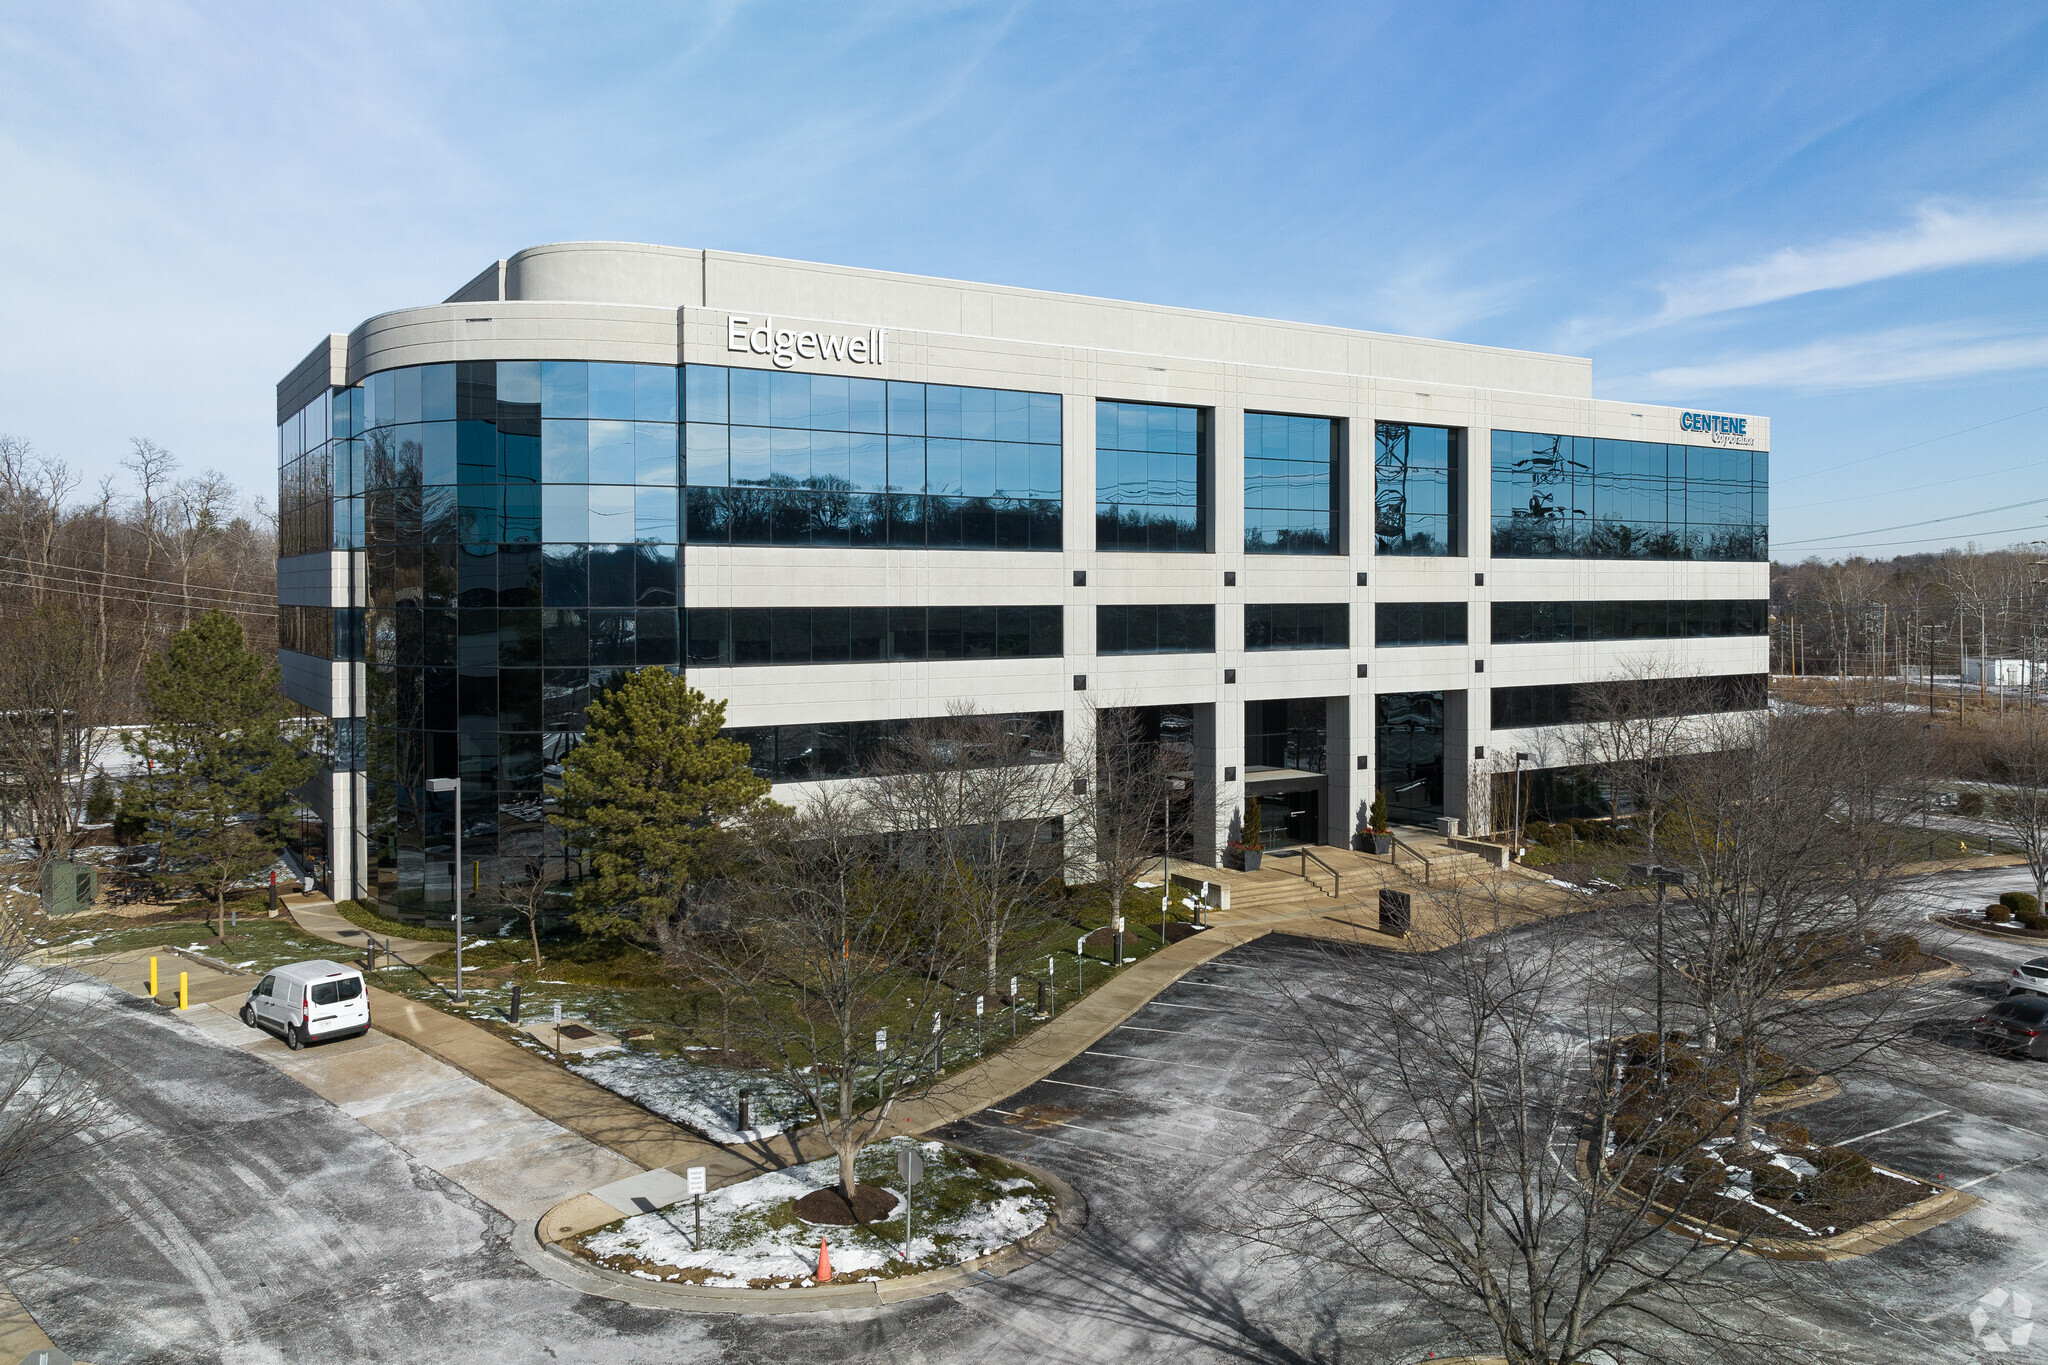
[1861, 1240]
[1995, 935]
[1069, 1216]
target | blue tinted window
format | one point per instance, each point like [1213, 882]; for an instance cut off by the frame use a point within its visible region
[1566, 496]
[564, 388]
[1151, 478]
[1416, 489]
[610, 389]
[1290, 484]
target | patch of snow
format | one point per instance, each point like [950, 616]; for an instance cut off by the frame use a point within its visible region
[704, 1097]
[749, 1236]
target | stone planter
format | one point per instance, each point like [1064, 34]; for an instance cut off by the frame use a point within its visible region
[1376, 842]
[1254, 859]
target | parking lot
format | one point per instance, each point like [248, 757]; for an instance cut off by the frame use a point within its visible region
[256, 1222]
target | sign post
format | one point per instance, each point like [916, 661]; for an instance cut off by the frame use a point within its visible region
[881, 1055]
[910, 1169]
[695, 1175]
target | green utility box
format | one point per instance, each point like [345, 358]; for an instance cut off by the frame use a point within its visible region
[69, 888]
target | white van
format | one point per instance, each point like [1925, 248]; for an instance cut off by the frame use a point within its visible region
[309, 1002]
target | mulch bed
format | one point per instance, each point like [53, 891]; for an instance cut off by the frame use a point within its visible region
[871, 1204]
[1037, 1116]
[1803, 1210]
[1976, 925]
[1874, 969]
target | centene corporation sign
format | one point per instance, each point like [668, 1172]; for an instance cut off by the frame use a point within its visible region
[785, 347]
[1719, 430]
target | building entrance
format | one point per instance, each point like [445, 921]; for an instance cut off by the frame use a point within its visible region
[1411, 753]
[1290, 818]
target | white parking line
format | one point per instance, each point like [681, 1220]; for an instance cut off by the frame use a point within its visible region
[1959, 1307]
[1142, 1029]
[1162, 1061]
[1078, 1086]
[1844, 1142]
[2000, 1171]
[1206, 1009]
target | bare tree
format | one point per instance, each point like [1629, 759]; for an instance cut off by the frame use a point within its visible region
[2019, 809]
[1779, 904]
[54, 721]
[982, 801]
[48, 1105]
[1138, 783]
[1638, 730]
[1459, 1134]
[833, 938]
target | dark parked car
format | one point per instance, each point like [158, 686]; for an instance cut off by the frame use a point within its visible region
[2018, 1023]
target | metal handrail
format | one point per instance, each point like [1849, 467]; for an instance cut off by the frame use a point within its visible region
[1394, 858]
[1306, 857]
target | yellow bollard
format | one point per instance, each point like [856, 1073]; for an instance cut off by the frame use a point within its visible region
[152, 978]
[182, 1002]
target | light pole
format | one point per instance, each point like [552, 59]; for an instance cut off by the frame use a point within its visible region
[1166, 891]
[1664, 877]
[1521, 802]
[454, 784]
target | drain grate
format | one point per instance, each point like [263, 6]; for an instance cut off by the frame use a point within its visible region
[577, 1031]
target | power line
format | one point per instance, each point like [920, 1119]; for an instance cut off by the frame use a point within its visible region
[1888, 544]
[159, 599]
[1909, 525]
[1913, 487]
[1863, 459]
[159, 586]
[136, 578]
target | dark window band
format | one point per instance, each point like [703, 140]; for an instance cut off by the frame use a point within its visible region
[1297, 625]
[746, 636]
[1418, 623]
[815, 753]
[1516, 708]
[1167, 629]
[1516, 623]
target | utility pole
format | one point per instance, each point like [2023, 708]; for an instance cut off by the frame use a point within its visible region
[454, 784]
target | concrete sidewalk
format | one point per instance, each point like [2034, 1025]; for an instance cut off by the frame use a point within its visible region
[317, 916]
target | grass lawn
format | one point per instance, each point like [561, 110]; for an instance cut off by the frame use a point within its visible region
[254, 945]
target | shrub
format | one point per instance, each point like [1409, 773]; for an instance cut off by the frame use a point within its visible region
[1898, 949]
[1582, 830]
[1997, 914]
[1774, 1183]
[1790, 1134]
[2036, 921]
[1703, 1174]
[99, 800]
[1842, 1172]
[1969, 803]
[2021, 903]
[1377, 817]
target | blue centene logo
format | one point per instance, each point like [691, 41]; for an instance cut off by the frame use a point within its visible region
[1707, 421]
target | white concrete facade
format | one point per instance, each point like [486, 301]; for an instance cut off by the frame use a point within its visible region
[660, 305]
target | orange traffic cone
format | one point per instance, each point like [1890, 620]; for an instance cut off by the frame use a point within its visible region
[824, 1262]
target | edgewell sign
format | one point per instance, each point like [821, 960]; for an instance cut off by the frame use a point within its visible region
[1719, 430]
[785, 347]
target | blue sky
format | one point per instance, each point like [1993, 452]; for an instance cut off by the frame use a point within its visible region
[1834, 215]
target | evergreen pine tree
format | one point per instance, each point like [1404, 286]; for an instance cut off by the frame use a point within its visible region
[221, 774]
[651, 794]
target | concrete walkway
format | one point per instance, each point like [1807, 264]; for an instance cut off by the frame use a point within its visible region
[317, 916]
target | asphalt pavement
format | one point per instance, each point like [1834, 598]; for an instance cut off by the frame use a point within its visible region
[231, 1214]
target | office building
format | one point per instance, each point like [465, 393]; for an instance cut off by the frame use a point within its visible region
[1319, 560]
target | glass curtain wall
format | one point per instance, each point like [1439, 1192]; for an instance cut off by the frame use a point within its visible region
[1411, 754]
[1415, 489]
[1575, 497]
[320, 478]
[1151, 478]
[775, 458]
[1290, 485]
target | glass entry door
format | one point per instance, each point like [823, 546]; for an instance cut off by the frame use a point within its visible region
[1289, 818]
[1411, 753]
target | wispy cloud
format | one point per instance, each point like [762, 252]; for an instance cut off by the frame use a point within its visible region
[1422, 299]
[1900, 356]
[1939, 238]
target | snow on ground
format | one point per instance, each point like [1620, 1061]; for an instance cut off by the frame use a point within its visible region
[750, 1235]
[705, 1098]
